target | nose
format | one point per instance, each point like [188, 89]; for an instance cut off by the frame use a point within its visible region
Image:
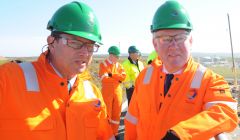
[173, 44]
[84, 51]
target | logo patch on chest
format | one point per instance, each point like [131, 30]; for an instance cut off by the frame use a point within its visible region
[191, 95]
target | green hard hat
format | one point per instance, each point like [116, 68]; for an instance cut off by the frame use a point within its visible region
[133, 49]
[114, 50]
[171, 15]
[76, 18]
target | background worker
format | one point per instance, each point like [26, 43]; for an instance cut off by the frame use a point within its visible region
[132, 66]
[52, 98]
[112, 74]
[178, 98]
[151, 57]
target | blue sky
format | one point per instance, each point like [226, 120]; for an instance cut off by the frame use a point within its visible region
[122, 22]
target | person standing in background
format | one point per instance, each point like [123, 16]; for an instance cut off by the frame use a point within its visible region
[112, 74]
[132, 66]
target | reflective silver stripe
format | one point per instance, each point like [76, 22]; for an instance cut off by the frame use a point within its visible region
[30, 76]
[104, 75]
[232, 105]
[221, 136]
[131, 118]
[104, 63]
[117, 64]
[124, 106]
[112, 138]
[88, 90]
[114, 122]
[109, 61]
[148, 75]
[197, 79]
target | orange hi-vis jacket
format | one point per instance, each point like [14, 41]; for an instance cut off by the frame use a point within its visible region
[35, 105]
[112, 90]
[197, 106]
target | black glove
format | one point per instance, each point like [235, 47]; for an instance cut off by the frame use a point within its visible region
[170, 136]
[110, 74]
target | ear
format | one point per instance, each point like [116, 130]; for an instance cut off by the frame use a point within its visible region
[50, 40]
[155, 44]
[191, 40]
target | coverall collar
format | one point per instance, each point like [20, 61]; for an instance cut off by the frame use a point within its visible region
[133, 62]
[49, 68]
[71, 81]
[109, 61]
[164, 70]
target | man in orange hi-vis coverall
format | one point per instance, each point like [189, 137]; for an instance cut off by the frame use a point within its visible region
[112, 74]
[52, 98]
[177, 98]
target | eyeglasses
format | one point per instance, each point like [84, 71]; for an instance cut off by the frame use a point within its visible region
[76, 44]
[117, 57]
[178, 38]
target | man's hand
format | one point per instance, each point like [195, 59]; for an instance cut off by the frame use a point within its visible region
[109, 74]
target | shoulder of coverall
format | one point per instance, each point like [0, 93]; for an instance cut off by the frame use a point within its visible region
[216, 78]
[208, 75]
[141, 75]
[11, 76]
[8, 69]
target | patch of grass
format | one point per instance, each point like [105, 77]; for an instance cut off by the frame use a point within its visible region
[226, 72]
[3, 61]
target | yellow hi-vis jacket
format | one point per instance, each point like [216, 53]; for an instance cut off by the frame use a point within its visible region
[35, 105]
[132, 70]
[197, 106]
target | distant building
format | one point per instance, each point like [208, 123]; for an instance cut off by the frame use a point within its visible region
[206, 61]
[213, 61]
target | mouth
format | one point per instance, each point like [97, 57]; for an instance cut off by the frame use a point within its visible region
[173, 55]
[81, 62]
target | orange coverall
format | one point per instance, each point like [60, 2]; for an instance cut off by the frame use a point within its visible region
[112, 90]
[193, 113]
[46, 111]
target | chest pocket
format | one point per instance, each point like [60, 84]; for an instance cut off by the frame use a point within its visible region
[193, 94]
[191, 103]
[84, 114]
[37, 123]
[83, 119]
